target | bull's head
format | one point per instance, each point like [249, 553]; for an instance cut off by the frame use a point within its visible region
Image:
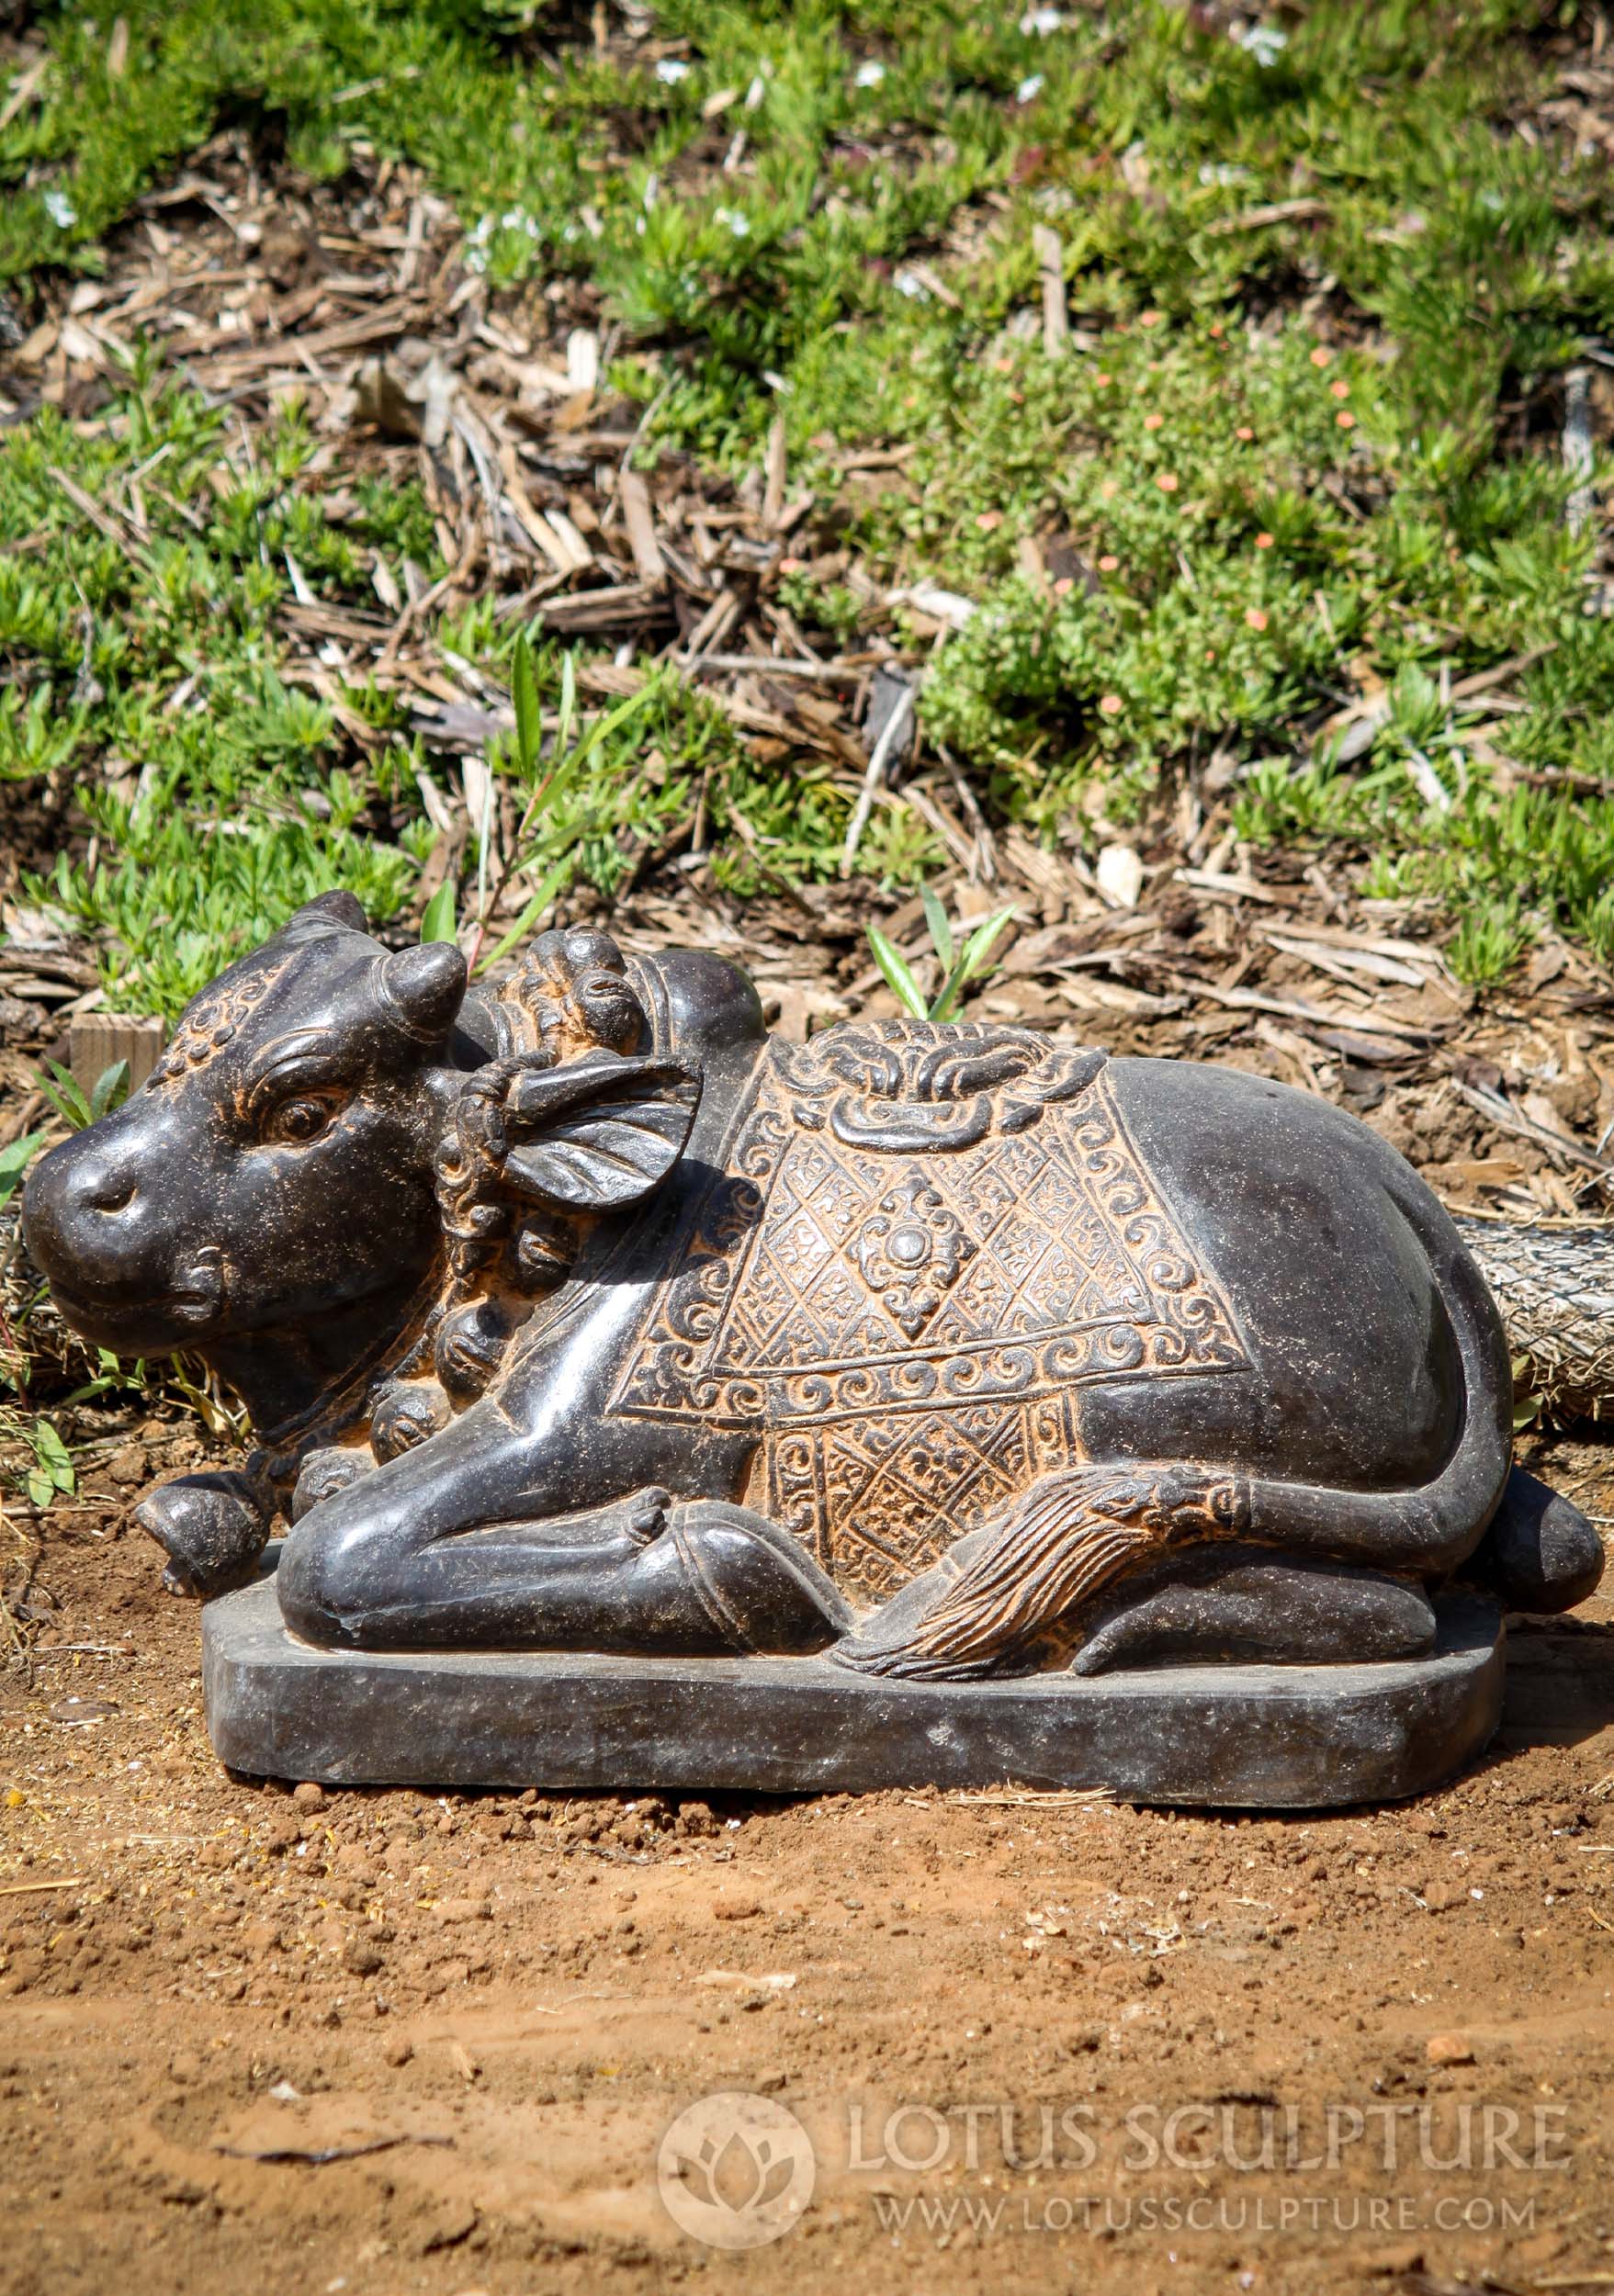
[276, 1173]
[277, 1165]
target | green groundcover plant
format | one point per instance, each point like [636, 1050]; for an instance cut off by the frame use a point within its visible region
[1301, 456]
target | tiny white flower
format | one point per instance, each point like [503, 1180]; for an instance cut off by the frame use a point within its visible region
[737, 223]
[1041, 21]
[61, 211]
[870, 74]
[908, 283]
[671, 70]
[1030, 88]
[1265, 42]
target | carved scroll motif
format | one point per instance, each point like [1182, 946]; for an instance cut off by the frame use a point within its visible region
[927, 1240]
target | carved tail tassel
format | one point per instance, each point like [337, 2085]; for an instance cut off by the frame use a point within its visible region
[1018, 1579]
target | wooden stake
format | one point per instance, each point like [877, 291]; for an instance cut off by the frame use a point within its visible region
[1050, 255]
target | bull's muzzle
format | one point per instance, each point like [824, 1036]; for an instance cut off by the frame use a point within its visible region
[94, 1221]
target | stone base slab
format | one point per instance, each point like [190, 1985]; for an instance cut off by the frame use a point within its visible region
[1231, 1737]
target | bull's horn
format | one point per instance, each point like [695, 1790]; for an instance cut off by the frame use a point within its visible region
[330, 912]
[425, 988]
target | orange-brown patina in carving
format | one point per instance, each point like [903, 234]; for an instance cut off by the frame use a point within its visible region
[930, 1240]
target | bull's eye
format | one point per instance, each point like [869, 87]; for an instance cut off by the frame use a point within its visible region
[295, 1122]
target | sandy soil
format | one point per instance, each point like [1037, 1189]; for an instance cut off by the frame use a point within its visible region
[1043, 2038]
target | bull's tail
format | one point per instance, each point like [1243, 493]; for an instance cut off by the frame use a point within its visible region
[1018, 1581]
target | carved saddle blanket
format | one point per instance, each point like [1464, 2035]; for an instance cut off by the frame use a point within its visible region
[926, 1242]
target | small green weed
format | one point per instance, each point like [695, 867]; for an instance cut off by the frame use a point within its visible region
[52, 1474]
[961, 966]
[78, 1108]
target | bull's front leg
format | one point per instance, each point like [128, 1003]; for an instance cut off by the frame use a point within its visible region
[563, 1529]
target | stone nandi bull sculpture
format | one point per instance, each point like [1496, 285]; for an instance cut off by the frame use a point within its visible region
[585, 1316]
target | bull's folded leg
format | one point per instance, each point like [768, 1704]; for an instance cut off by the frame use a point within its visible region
[390, 1563]
[1243, 1603]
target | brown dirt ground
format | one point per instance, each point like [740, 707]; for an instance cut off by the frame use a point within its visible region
[523, 1991]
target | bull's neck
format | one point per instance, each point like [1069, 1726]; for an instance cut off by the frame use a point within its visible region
[292, 1379]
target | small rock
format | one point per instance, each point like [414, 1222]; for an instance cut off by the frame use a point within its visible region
[129, 1466]
[186, 2067]
[736, 1908]
[457, 1909]
[1448, 2049]
[1119, 876]
[399, 2049]
[1395, 2263]
[453, 2222]
[309, 1795]
[362, 1956]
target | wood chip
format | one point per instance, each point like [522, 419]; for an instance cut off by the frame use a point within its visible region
[637, 517]
[1273, 211]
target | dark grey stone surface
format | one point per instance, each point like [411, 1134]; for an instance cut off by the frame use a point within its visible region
[1235, 1736]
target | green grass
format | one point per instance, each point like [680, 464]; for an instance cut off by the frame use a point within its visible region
[1293, 462]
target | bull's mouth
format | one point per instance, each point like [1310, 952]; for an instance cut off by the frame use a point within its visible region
[194, 1303]
[200, 1299]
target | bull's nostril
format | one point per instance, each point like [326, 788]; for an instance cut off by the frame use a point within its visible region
[115, 1193]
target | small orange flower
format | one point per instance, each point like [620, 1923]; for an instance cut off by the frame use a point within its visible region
[1245, 432]
[1256, 618]
[1108, 562]
[1217, 329]
[1264, 542]
[1064, 585]
[1002, 367]
[1322, 356]
[1345, 422]
[1110, 705]
[1341, 390]
[1102, 382]
[989, 521]
[1107, 491]
[1152, 422]
[792, 565]
[1150, 319]
[1167, 481]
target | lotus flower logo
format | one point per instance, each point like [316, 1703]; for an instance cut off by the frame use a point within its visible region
[735, 2171]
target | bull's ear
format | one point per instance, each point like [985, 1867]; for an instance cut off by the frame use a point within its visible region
[422, 989]
[598, 1133]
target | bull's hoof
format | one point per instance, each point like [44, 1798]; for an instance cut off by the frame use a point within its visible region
[727, 1579]
[212, 1528]
[1540, 1553]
